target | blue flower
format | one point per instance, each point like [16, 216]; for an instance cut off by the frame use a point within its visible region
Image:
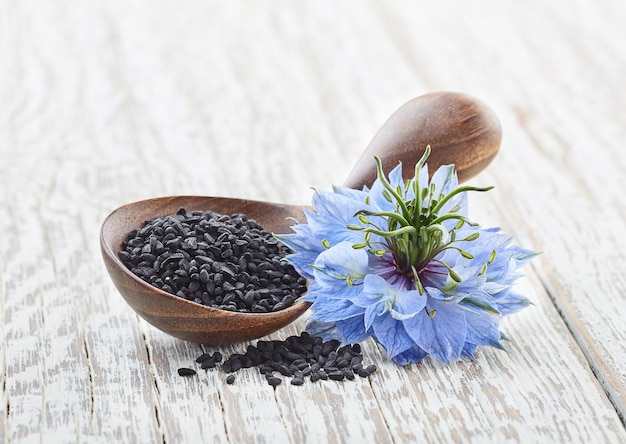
[402, 263]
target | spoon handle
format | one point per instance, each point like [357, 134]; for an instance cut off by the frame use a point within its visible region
[460, 130]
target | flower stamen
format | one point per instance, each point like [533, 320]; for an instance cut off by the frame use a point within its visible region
[416, 232]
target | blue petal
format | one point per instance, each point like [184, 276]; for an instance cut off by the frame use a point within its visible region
[372, 311]
[443, 335]
[303, 262]
[335, 311]
[302, 237]
[445, 181]
[332, 213]
[352, 330]
[377, 199]
[325, 330]
[390, 334]
[357, 195]
[483, 329]
[408, 304]
[306, 247]
[509, 302]
[374, 288]
[313, 291]
[404, 303]
[481, 302]
[335, 206]
[411, 355]
[329, 294]
[340, 263]
[468, 350]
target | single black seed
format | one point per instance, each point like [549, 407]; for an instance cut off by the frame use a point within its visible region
[297, 381]
[329, 346]
[285, 370]
[356, 360]
[273, 381]
[208, 363]
[371, 368]
[336, 375]
[265, 369]
[363, 373]
[203, 357]
[204, 275]
[236, 365]
[230, 379]
[186, 371]
[342, 363]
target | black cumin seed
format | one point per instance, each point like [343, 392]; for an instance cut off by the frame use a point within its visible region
[203, 357]
[186, 371]
[208, 363]
[297, 358]
[274, 381]
[201, 256]
[230, 379]
[371, 368]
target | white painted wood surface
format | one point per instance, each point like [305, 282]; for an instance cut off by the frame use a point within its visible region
[104, 103]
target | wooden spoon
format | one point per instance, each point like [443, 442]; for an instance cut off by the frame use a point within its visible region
[460, 130]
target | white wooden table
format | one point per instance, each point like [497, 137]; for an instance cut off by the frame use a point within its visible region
[108, 102]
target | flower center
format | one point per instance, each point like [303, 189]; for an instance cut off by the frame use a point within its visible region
[421, 224]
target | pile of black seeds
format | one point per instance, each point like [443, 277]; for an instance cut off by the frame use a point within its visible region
[225, 262]
[297, 357]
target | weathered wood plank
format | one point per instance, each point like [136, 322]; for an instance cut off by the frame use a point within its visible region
[102, 103]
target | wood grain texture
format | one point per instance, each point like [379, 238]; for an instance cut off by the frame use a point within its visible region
[459, 129]
[108, 102]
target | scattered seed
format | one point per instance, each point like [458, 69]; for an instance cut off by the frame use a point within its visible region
[186, 371]
[371, 369]
[297, 358]
[203, 357]
[208, 363]
[273, 381]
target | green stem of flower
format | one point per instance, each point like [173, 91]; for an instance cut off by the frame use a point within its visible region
[408, 229]
[447, 216]
[398, 217]
[456, 191]
[416, 183]
[387, 185]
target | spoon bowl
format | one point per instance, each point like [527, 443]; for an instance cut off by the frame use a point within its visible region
[460, 130]
[181, 318]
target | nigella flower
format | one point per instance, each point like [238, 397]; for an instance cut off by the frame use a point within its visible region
[402, 263]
